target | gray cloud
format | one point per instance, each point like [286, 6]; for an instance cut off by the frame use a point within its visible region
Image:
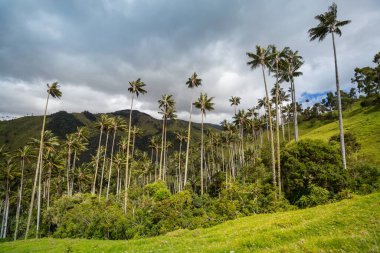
[94, 48]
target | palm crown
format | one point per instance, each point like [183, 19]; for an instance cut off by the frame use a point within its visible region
[260, 58]
[54, 90]
[204, 103]
[194, 81]
[136, 87]
[328, 23]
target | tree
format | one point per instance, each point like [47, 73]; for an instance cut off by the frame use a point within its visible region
[54, 91]
[191, 83]
[203, 103]
[261, 59]
[101, 124]
[116, 123]
[136, 87]
[166, 104]
[23, 154]
[289, 69]
[328, 23]
[235, 101]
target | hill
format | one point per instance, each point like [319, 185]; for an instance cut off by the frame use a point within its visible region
[363, 122]
[351, 225]
[18, 132]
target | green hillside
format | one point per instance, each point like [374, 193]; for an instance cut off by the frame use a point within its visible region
[18, 132]
[348, 226]
[364, 123]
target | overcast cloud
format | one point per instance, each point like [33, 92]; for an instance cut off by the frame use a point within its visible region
[94, 48]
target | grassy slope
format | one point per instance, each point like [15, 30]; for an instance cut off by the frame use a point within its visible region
[364, 123]
[348, 226]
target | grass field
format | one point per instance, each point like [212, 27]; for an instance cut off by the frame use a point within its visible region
[364, 123]
[348, 226]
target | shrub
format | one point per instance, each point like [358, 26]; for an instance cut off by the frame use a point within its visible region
[310, 163]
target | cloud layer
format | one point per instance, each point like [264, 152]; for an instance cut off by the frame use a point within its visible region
[94, 48]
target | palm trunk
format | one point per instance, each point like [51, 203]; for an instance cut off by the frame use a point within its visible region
[341, 131]
[179, 167]
[278, 134]
[97, 162]
[103, 165]
[39, 198]
[68, 169]
[160, 172]
[127, 159]
[110, 171]
[270, 130]
[37, 170]
[202, 157]
[295, 111]
[73, 173]
[188, 143]
[19, 199]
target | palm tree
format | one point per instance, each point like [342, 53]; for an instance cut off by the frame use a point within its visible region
[101, 125]
[289, 69]
[136, 88]
[23, 154]
[154, 144]
[166, 104]
[180, 137]
[191, 83]
[276, 57]
[108, 128]
[241, 118]
[54, 91]
[116, 123]
[328, 23]
[203, 103]
[235, 101]
[261, 59]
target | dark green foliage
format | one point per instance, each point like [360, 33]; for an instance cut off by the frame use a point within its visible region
[310, 163]
[364, 178]
[61, 123]
[89, 115]
[350, 142]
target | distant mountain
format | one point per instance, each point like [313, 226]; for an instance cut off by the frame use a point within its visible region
[18, 132]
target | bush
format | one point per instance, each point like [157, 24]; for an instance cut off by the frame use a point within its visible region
[310, 163]
[350, 142]
[364, 178]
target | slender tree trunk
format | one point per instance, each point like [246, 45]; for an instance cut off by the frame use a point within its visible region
[278, 134]
[188, 143]
[39, 199]
[19, 199]
[160, 172]
[270, 130]
[341, 131]
[73, 173]
[295, 112]
[202, 157]
[110, 170]
[97, 161]
[37, 170]
[103, 165]
[179, 167]
[68, 169]
[127, 159]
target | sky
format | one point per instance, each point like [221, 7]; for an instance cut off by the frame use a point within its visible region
[95, 48]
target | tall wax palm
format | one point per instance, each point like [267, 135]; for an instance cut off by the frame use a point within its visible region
[70, 141]
[81, 141]
[108, 128]
[240, 120]
[53, 91]
[203, 103]
[180, 136]
[235, 101]
[166, 104]
[154, 144]
[261, 59]
[289, 69]
[101, 125]
[23, 154]
[116, 123]
[136, 88]
[276, 57]
[191, 83]
[328, 23]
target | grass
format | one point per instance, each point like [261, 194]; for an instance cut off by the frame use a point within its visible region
[348, 226]
[364, 123]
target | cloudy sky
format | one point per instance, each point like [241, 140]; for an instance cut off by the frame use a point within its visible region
[94, 48]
